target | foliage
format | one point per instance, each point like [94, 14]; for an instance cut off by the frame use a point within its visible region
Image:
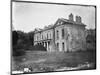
[17, 43]
[91, 39]
[91, 36]
[14, 38]
[39, 48]
[24, 41]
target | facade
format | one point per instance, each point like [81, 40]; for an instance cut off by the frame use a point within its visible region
[64, 35]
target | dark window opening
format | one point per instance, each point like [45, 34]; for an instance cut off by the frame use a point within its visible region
[63, 33]
[57, 46]
[57, 34]
[63, 46]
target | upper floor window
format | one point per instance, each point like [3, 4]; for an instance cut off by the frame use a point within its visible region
[34, 38]
[63, 33]
[42, 37]
[57, 34]
[50, 36]
[37, 38]
[47, 36]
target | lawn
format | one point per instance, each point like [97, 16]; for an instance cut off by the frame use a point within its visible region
[42, 61]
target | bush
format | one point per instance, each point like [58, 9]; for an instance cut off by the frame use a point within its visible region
[39, 48]
[18, 50]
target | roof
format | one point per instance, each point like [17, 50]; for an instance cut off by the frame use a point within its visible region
[69, 21]
[45, 28]
[59, 20]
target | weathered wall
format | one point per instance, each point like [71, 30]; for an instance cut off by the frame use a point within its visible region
[77, 38]
[46, 37]
[74, 38]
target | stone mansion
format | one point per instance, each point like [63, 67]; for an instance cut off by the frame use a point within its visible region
[64, 35]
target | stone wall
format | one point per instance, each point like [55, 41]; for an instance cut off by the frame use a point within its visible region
[65, 35]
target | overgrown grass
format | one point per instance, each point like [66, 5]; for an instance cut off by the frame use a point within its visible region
[49, 61]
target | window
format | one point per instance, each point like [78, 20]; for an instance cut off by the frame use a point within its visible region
[57, 34]
[57, 46]
[50, 36]
[42, 37]
[37, 38]
[61, 23]
[58, 23]
[47, 36]
[63, 33]
[63, 46]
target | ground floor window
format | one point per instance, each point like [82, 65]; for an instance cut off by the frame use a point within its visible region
[57, 46]
[63, 46]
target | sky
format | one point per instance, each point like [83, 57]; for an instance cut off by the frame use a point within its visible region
[28, 16]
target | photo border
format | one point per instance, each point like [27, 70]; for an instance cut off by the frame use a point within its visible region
[54, 3]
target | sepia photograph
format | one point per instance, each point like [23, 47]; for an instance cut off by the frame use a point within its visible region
[52, 37]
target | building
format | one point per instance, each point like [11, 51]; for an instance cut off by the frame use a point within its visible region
[64, 35]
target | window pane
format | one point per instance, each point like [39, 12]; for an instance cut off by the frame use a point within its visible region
[62, 33]
[57, 34]
[63, 46]
[57, 46]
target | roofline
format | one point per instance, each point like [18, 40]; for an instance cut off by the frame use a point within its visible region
[44, 30]
[72, 24]
[60, 25]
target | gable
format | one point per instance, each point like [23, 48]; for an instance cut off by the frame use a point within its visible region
[59, 22]
[62, 21]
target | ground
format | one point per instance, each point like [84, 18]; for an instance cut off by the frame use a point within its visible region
[42, 61]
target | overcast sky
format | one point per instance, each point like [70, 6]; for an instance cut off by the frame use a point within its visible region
[27, 16]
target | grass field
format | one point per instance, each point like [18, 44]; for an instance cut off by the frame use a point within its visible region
[41, 61]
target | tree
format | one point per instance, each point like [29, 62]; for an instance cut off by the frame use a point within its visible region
[14, 37]
[16, 48]
[31, 37]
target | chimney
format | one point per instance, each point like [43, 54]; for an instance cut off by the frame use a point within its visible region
[71, 17]
[78, 19]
